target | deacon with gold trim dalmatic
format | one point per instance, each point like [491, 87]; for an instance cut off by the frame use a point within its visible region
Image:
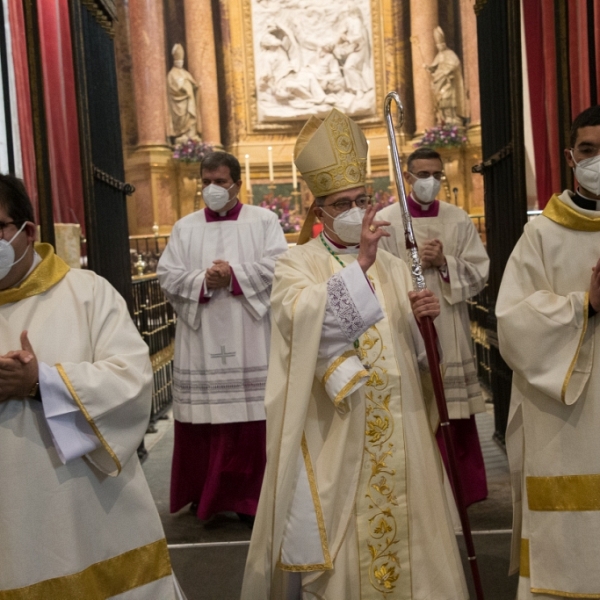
[77, 519]
[547, 335]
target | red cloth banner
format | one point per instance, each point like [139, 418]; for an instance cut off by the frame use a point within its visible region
[23, 95]
[61, 111]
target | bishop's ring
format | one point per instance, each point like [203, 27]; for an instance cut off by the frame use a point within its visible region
[372, 228]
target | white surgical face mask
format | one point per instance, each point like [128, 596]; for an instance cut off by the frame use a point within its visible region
[7, 254]
[588, 173]
[426, 189]
[348, 225]
[216, 197]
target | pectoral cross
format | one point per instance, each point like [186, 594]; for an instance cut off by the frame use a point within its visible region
[223, 355]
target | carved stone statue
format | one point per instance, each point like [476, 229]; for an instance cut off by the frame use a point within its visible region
[181, 90]
[447, 83]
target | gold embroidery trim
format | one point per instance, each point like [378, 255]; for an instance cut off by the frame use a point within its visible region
[564, 493]
[46, 275]
[556, 210]
[586, 302]
[524, 560]
[314, 492]
[103, 579]
[336, 363]
[87, 416]
[346, 389]
[563, 594]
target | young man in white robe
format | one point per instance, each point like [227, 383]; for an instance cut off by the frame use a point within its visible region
[77, 519]
[456, 268]
[547, 328]
[353, 503]
[217, 271]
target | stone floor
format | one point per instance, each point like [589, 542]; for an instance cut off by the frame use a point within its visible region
[209, 562]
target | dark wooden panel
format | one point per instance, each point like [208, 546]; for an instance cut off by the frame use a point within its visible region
[102, 158]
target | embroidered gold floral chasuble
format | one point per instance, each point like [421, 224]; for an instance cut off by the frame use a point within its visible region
[381, 509]
[375, 523]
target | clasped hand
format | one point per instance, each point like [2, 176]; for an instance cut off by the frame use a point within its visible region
[18, 371]
[431, 253]
[219, 275]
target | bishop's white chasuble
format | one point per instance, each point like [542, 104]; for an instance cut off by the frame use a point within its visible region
[353, 498]
[468, 266]
[221, 346]
[88, 528]
[552, 439]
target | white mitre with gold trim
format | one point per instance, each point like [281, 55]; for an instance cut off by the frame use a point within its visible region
[331, 154]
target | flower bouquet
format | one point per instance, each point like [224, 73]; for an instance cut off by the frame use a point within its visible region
[442, 136]
[191, 150]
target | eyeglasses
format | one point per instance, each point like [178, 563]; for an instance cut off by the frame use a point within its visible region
[425, 174]
[4, 225]
[344, 204]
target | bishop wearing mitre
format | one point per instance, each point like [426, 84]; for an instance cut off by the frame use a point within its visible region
[352, 504]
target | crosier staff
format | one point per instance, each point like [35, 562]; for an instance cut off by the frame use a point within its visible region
[429, 337]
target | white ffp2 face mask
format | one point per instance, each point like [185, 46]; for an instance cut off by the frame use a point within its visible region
[426, 189]
[348, 225]
[216, 197]
[7, 254]
[587, 172]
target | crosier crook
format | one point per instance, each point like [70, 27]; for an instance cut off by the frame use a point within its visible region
[429, 337]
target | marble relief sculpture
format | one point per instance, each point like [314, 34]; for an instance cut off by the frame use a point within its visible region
[447, 83]
[309, 57]
[181, 92]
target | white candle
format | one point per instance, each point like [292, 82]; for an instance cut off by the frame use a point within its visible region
[294, 176]
[248, 184]
[270, 151]
[368, 159]
[390, 168]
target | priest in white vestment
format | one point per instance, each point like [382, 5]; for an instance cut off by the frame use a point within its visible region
[456, 266]
[353, 503]
[217, 271]
[547, 329]
[77, 519]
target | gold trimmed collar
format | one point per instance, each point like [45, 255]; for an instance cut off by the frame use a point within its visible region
[560, 212]
[46, 275]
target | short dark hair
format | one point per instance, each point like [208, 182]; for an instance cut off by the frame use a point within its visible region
[214, 160]
[424, 152]
[590, 117]
[15, 200]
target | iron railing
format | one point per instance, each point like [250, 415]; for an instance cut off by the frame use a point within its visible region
[155, 320]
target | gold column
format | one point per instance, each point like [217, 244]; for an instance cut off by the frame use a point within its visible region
[423, 20]
[148, 167]
[473, 182]
[468, 23]
[202, 64]
[149, 70]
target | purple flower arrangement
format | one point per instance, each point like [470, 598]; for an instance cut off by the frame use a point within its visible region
[191, 151]
[289, 219]
[442, 136]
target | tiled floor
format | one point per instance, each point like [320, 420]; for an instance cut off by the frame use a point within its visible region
[209, 562]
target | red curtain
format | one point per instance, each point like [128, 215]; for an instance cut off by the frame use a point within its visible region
[579, 64]
[24, 116]
[542, 79]
[61, 111]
